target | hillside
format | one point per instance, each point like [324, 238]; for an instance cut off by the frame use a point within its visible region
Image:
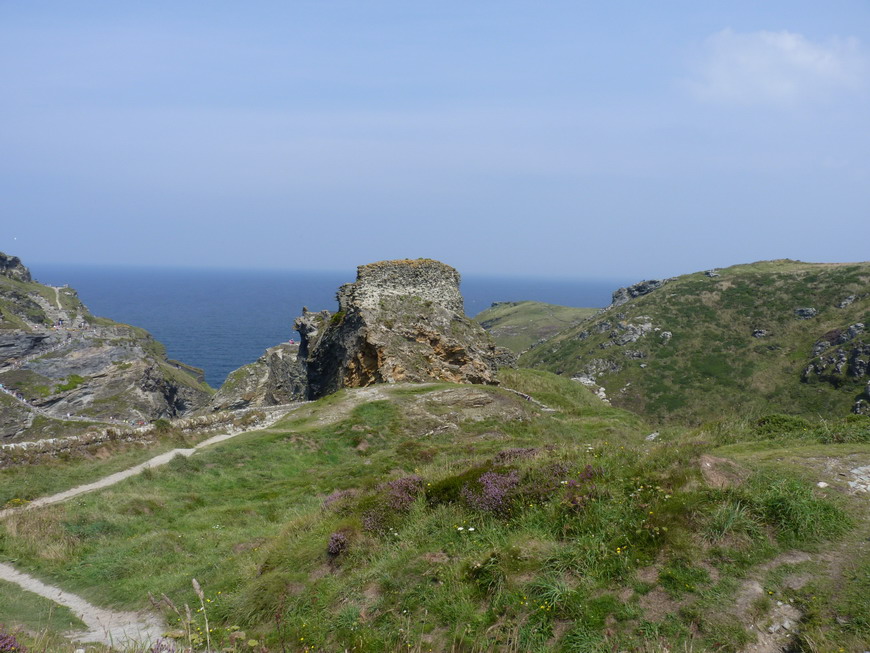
[777, 336]
[519, 325]
[62, 369]
[449, 517]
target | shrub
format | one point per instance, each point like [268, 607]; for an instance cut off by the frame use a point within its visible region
[777, 423]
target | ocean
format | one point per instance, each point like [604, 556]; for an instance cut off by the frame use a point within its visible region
[219, 320]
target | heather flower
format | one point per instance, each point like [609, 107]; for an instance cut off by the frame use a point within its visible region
[337, 544]
[335, 500]
[8, 643]
[494, 494]
[402, 491]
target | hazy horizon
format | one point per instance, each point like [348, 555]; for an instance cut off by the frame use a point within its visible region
[566, 140]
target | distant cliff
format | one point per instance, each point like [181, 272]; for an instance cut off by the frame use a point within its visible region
[60, 366]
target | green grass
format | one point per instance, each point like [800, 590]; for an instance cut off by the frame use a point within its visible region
[411, 555]
[713, 365]
[33, 611]
[519, 325]
[25, 482]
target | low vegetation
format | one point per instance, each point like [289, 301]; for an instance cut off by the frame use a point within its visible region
[519, 325]
[442, 517]
[737, 341]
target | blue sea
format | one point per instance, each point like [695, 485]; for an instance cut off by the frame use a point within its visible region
[220, 320]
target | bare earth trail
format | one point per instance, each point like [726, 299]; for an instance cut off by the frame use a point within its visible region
[123, 630]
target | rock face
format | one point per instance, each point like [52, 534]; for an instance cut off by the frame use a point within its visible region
[841, 357]
[277, 377]
[11, 267]
[62, 364]
[400, 321]
[625, 295]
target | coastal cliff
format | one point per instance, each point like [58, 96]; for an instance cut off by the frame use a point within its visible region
[61, 367]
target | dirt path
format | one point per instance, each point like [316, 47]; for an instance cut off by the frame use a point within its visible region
[119, 629]
[123, 630]
[157, 461]
[57, 299]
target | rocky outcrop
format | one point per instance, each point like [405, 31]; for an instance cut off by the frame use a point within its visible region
[842, 358]
[11, 267]
[277, 377]
[62, 364]
[400, 321]
[625, 295]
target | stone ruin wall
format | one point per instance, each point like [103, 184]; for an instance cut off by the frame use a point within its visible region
[424, 278]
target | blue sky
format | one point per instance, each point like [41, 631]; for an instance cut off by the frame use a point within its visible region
[554, 139]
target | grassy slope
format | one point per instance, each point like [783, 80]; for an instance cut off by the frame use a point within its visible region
[713, 366]
[518, 325]
[561, 562]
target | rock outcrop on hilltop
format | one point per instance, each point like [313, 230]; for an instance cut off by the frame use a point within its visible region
[13, 268]
[399, 321]
[624, 295]
[64, 366]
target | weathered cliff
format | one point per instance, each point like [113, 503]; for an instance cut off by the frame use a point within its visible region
[399, 321]
[59, 362]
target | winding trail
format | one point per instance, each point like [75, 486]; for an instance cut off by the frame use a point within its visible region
[122, 630]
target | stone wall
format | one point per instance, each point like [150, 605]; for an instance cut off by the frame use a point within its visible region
[426, 279]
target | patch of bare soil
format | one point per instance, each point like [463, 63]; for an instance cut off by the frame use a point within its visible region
[657, 604]
[721, 473]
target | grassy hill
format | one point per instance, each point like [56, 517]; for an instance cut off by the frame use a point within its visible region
[518, 325]
[443, 517]
[776, 336]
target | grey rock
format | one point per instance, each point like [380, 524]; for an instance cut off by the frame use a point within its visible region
[277, 377]
[624, 295]
[850, 299]
[760, 333]
[806, 313]
[712, 273]
[12, 267]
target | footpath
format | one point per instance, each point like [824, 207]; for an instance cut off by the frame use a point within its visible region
[122, 630]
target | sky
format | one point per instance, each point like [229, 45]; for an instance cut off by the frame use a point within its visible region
[537, 139]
